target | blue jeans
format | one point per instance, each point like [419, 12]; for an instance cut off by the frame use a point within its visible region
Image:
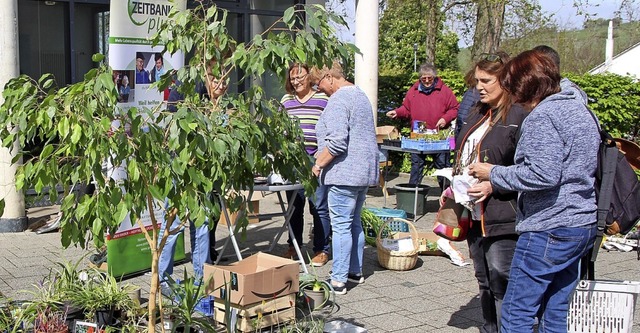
[544, 273]
[319, 210]
[199, 249]
[345, 205]
[491, 261]
[418, 163]
[319, 207]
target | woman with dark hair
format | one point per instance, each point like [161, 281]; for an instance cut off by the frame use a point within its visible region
[490, 134]
[554, 171]
[305, 104]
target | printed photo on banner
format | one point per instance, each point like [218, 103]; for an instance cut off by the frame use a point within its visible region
[142, 74]
[125, 85]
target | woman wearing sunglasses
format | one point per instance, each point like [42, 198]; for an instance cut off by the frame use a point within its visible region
[490, 134]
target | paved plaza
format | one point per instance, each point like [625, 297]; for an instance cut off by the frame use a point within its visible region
[435, 296]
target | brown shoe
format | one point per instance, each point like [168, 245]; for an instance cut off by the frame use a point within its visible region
[291, 253]
[319, 259]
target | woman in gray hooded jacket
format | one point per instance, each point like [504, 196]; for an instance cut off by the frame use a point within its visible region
[554, 173]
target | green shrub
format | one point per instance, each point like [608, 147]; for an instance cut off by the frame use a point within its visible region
[614, 98]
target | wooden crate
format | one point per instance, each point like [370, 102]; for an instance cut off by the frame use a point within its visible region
[277, 311]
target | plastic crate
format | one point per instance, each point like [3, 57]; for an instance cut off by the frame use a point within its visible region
[603, 306]
[423, 145]
[388, 214]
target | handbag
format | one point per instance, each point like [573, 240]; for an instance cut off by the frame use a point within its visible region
[453, 221]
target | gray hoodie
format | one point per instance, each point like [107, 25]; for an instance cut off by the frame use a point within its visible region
[555, 165]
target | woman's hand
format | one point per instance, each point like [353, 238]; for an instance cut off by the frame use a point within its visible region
[481, 191]
[481, 171]
[316, 170]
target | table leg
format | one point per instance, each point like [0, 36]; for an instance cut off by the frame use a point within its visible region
[231, 228]
[415, 204]
[287, 225]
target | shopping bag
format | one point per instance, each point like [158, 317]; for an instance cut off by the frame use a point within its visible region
[452, 221]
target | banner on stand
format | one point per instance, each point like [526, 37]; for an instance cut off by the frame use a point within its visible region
[136, 65]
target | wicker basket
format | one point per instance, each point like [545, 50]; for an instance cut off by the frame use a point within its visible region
[398, 260]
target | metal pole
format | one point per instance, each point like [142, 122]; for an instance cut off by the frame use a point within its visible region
[415, 57]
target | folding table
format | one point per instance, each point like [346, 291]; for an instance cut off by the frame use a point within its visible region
[286, 213]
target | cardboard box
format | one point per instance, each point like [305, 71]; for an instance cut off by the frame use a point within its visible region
[258, 278]
[252, 214]
[386, 132]
[254, 317]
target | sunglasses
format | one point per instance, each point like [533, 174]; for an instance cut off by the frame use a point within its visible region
[490, 57]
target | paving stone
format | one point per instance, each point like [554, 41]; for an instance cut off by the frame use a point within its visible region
[436, 296]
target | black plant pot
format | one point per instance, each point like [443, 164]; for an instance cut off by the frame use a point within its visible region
[73, 313]
[191, 329]
[107, 317]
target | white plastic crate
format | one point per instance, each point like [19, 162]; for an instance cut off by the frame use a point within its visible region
[603, 306]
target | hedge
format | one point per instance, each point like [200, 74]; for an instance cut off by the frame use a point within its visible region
[614, 98]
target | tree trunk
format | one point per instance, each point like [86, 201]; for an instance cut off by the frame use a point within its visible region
[153, 290]
[490, 16]
[433, 15]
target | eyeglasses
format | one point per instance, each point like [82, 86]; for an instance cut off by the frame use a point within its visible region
[315, 86]
[298, 78]
[490, 57]
[426, 78]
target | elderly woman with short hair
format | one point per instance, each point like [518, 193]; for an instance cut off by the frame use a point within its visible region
[347, 163]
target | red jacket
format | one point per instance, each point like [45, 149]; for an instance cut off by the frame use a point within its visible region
[440, 103]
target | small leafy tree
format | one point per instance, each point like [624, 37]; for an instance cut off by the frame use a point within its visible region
[179, 158]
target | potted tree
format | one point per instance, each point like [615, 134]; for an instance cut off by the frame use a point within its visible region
[180, 157]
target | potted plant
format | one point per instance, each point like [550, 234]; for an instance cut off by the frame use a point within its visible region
[315, 292]
[50, 321]
[103, 300]
[186, 294]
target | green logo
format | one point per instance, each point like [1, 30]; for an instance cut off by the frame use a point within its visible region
[130, 7]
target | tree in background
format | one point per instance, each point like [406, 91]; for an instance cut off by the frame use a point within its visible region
[403, 23]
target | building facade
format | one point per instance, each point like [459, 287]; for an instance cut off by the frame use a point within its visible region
[60, 36]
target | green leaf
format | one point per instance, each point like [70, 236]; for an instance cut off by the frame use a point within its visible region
[76, 133]
[121, 212]
[133, 171]
[288, 16]
[97, 57]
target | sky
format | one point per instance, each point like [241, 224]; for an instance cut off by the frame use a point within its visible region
[566, 14]
[563, 10]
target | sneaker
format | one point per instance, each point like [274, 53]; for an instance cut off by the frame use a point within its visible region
[291, 253]
[319, 259]
[355, 277]
[338, 288]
